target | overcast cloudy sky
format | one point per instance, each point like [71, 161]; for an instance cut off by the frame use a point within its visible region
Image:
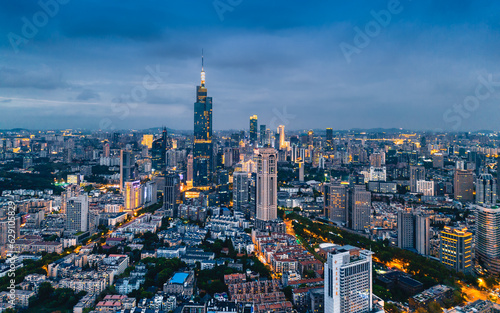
[82, 64]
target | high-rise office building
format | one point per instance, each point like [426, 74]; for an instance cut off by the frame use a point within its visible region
[189, 171]
[455, 248]
[336, 202]
[126, 167]
[422, 234]
[77, 213]
[172, 194]
[378, 173]
[236, 155]
[310, 138]
[147, 140]
[150, 191]
[348, 281]
[223, 187]
[106, 150]
[416, 173]
[414, 231]
[425, 187]
[488, 238]
[268, 138]
[267, 185]
[252, 195]
[133, 195]
[376, 159]
[406, 230]
[438, 160]
[240, 190]
[159, 149]
[460, 165]
[281, 133]
[498, 176]
[228, 157]
[203, 146]
[300, 169]
[329, 139]
[486, 190]
[253, 129]
[294, 153]
[350, 205]
[463, 182]
[263, 141]
[359, 209]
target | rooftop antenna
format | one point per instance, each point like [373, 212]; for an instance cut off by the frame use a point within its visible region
[202, 71]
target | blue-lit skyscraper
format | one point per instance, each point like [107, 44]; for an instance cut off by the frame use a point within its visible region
[159, 150]
[203, 147]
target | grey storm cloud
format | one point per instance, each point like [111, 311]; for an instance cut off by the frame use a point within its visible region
[42, 78]
[88, 94]
[263, 58]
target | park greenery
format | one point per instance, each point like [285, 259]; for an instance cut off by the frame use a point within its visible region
[425, 270]
[159, 271]
[53, 300]
[34, 267]
[428, 271]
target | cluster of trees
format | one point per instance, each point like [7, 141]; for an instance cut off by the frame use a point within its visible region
[258, 267]
[50, 299]
[159, 271]
[101, 170]
[150, 209]
[150, 241]
[428, 271]
[212, 280]
[425, 270]
[217, 247]
[33, 267]
[13, 181]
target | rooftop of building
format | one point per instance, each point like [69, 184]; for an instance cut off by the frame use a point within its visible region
[179, 278]
[431, 293]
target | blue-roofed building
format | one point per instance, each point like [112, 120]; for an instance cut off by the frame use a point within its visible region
[178, 278]
[181, 284]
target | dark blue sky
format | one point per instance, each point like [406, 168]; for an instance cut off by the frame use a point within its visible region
[417, 64]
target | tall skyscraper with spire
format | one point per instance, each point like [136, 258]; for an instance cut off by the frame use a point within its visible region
[203, 146]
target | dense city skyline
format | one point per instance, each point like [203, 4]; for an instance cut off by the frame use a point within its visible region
[234, 156]
[307, 63]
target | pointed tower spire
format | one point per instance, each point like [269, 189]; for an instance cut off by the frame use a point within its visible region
[202, 71]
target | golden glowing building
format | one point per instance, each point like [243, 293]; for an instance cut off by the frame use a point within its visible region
[281, 132]
[147, 140]
[455, 248]
[133, 199]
